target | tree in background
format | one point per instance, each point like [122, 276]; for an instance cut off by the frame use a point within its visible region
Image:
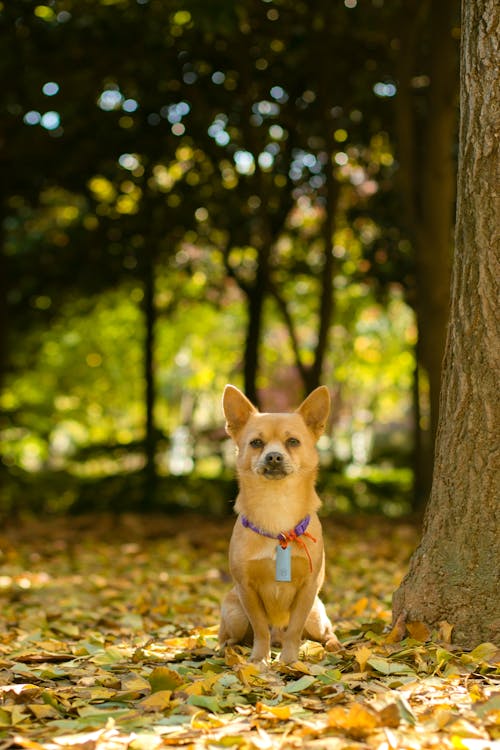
[454, 574]
[425, 134]
[208, 149]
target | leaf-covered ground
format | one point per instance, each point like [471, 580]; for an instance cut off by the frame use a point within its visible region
[108, 640]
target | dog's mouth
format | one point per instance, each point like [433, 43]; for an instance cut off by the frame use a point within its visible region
[275, 472]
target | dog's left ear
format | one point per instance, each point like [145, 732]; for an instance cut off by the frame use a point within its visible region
[315, 410]
[237, 410]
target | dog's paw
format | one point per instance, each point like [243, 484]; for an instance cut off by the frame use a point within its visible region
[260, 658]
[332, 643]
[289, 656]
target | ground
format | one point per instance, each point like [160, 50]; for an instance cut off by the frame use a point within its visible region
[108, 640]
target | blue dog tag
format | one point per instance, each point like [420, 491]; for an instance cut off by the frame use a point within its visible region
[283, 564]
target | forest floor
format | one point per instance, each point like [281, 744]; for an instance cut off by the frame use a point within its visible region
[108, 641]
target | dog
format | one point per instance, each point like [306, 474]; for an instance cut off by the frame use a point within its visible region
[276, 553]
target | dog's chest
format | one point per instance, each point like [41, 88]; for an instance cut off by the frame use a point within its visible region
[266, 550]
[260, 574]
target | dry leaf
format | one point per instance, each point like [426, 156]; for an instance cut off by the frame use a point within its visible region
[419, 631]
[97, 681]
[362, 655]
[157, 701]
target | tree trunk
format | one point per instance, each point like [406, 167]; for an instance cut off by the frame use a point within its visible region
[427, 180]
[436, 200]
[149, 378]
[326, 302]
[422, 449]
[256, 295]
[3, 305]
[454, 574]
[3, 325]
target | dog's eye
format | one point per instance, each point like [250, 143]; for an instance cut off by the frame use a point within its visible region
[293, 442]
[257, 443]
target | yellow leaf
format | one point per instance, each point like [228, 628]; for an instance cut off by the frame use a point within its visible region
[362, 655]
[464, 728]
[398, 630]
[134, 683]
[247, 673]
[390, 716]
[100, 693]
[28, 744]
[445, 631]
[163, 678]
[201, 720]
[486, 652]
[202, 687]
[357, 720]
[312, 651]
[17, 715]
[359, 607]
[158, 701]
[280, 712]
[42, 711]
[25, 688]
[233, 657]
[145, 742]
[419, 631]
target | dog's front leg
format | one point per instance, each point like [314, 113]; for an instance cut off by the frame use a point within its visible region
[256, 614]
[302, 605]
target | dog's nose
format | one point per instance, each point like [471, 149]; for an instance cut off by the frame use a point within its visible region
[274, 458]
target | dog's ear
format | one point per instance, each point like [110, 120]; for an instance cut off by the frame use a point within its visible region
[315, 410]
[237, 410]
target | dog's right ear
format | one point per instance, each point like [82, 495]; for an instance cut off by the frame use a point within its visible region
[237, 410]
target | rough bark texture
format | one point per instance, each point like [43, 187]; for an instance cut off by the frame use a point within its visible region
[455, 573]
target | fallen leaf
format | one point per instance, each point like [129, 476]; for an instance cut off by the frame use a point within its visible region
[358, 720]
[111, 687]
[445, 631]
[163, 678]
[362, 655]
[205, 701]
[299, 685]
[157, 701]
[398, 630]
[279, 712]
[419, 631]
[386, 666]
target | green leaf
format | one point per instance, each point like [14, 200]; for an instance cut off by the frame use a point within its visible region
[386, 666]
[483, 652]
[111, 655]
[301, 684]
[205, 701]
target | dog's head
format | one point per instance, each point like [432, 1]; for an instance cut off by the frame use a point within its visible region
[271, 445]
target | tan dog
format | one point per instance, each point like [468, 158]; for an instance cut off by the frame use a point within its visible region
[276, 552]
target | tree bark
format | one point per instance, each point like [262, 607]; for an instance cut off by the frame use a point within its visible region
[427, 180]
[455, 573]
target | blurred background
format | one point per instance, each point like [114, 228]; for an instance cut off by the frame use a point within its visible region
[199, 192]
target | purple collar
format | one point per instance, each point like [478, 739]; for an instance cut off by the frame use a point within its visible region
[283, 536]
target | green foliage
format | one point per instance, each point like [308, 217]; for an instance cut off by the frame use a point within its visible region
[202, 143]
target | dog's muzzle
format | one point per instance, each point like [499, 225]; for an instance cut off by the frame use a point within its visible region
[273, 465]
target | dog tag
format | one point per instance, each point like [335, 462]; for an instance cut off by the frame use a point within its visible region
[283, 563]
